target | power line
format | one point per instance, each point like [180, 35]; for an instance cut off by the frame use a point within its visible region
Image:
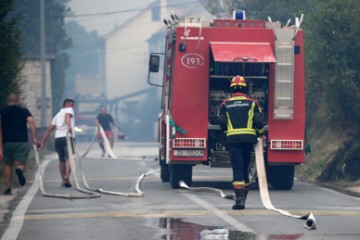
[125, 11]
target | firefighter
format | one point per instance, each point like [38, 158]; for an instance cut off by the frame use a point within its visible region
[240, 117]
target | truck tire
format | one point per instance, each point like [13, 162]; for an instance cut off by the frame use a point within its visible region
[281, 177]
[180, 172]
[164, 172]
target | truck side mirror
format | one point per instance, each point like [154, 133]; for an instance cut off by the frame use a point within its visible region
[156, 69]
[154, 63]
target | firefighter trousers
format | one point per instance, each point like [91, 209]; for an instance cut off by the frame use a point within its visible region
[240, 155]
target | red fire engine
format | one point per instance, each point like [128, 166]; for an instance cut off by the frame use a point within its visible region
[198, 65]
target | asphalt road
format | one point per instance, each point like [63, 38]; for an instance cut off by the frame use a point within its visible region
[165, 213]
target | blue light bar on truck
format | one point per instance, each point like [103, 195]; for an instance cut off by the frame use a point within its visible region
[239, 15]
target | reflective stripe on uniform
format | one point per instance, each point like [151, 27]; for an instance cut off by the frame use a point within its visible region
[251, 116]
[229, 122]
[239, 131]
[238, 183]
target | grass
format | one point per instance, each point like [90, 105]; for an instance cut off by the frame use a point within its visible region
[325, 140]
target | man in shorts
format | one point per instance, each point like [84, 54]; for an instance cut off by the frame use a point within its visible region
[13, 121]
[64, 123]
[105, 120]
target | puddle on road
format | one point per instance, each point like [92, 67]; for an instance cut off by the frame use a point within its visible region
[181, 230]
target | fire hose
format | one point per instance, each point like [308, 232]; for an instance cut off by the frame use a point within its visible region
[91, 192]
[71, 151]
[208, 190]
[108, 150]
[310, 221]
[137, 193]
[91, 143]
[107, 147]
[57, 195]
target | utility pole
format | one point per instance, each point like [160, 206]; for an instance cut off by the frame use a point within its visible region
[43, 63]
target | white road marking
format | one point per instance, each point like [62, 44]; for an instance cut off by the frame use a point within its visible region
[219, 213]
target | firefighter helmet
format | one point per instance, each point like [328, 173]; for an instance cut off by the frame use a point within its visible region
[238, 81]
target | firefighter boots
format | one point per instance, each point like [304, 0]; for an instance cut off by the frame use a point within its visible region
[240, 198]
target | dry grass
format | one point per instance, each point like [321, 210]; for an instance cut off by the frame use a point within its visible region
[324, 141]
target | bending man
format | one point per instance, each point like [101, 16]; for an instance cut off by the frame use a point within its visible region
[105, 120]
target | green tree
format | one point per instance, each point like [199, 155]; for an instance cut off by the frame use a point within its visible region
[57, 40]
[278, 10]
[9, 50]
[213, 7]
[334, 60]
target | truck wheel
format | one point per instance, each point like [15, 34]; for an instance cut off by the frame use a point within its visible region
[164, 172]
[180, 172]
[282, 177]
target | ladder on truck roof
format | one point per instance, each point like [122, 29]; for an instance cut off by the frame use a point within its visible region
[284, 74]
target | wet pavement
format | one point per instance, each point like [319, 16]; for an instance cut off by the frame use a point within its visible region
[182, 230]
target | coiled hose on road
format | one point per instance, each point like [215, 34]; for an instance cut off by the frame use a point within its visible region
[89, 191]
[89, 194]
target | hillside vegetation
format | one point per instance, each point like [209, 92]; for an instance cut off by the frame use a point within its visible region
[332, 90]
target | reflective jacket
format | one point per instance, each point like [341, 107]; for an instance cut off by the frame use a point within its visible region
[241, 118]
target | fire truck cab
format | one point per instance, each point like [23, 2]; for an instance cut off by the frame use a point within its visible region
[198, 64]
